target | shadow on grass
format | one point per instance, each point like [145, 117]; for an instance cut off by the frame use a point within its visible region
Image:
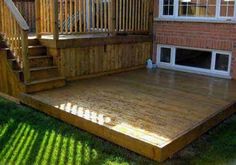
[31, 137]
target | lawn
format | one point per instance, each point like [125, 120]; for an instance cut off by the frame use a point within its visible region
[30, 137]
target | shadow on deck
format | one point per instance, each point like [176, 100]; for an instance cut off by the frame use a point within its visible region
[154, 113]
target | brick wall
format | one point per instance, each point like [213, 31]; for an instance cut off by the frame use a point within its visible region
[217, 36]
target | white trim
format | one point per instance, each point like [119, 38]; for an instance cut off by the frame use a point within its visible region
[176, 17]
[210, 72]
[208, 20]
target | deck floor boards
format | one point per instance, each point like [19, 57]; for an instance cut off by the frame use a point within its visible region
[152, 106]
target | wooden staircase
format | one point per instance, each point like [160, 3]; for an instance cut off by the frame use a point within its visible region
[43, 73]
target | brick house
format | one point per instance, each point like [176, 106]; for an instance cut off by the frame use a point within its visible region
[196, 36]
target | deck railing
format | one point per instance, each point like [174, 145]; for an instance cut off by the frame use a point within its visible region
[93, 16]
[15, 32]
[27, 10]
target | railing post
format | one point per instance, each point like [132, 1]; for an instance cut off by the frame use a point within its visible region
[151, 10]
[54, 23]
[24, 44]
[1, 16]
[37, 16]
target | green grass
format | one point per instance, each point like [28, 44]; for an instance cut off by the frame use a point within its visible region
[30, 137]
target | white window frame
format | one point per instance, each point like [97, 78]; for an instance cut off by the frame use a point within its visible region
[210, 72]
[176, 16]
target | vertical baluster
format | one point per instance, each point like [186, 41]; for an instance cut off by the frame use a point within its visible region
[66, 16]
[80, 15]
[97, 14]
[117, 15]
[89, 15]
[93, 14]
[127, 15]
[75, 11]
[113, 16]
[37, 17]
[71, 17]
[85, 16]
[101, 15]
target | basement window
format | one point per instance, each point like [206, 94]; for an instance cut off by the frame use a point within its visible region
[165, 55]
[201, 61]
[193, 58]
[222, 62]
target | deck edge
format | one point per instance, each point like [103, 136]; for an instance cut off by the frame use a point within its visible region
[128, 142]
[190, 135]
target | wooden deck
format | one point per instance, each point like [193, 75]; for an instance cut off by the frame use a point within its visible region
[153, 113]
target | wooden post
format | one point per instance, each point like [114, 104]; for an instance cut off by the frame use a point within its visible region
[113, 17]
[38, 17]
[54, 23]
[1, 16]
[24, 44]
[151, 10]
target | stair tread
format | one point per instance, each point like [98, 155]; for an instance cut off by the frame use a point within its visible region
[40, 56]
[36, 46]
[46, 80]
[5, 49]
[39, 68]
[33, 57]
[43, 68]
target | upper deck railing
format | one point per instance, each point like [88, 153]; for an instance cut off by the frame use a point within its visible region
[67, 17]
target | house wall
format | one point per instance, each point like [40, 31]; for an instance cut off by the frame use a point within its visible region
[219, 36]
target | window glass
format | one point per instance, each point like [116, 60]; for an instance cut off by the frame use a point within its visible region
[227, 8]
[193, 58]
[222, 62]
[168, 7]
[197, 8]
[165, 55]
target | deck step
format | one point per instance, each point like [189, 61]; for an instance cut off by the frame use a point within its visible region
[40, 73]
[44, 73]
[34, 62]
[40, 61]
[33, 42]
[45, 84]
[37, 50]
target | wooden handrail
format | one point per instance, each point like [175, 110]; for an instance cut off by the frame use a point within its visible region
[27, 9]
[15, 12]
[15, 31]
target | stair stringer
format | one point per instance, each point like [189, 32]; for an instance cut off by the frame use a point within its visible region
[9, 83]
